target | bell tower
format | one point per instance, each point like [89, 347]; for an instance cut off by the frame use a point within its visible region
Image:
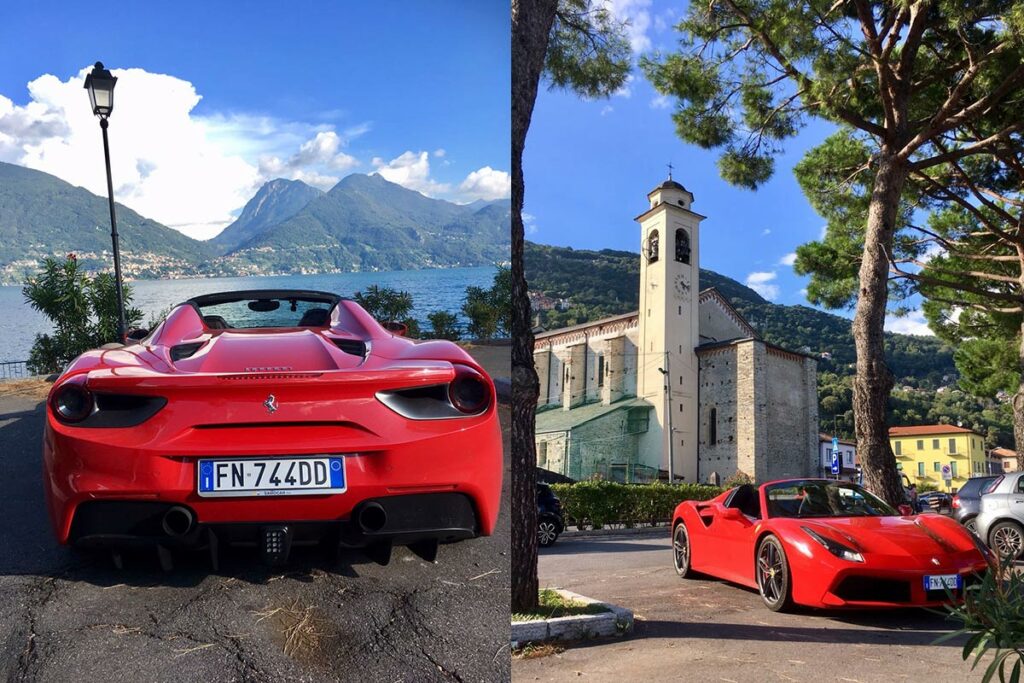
[666, 360]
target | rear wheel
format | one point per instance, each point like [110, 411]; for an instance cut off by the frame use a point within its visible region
[773, 577]
[1006, 539]
[547, 532]
[681, 551]
[971, 525]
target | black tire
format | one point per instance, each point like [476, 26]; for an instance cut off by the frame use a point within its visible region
[1006, 539]
[681, 551]
[548, 530]
[773, 577]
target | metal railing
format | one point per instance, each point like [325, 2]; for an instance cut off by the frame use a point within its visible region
[14, 369]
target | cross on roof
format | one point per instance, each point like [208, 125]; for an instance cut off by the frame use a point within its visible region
[670, 170]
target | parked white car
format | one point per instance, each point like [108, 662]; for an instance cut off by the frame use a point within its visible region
[1001, 520]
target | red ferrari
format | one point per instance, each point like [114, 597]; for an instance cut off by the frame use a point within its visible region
[824, 543]
[272, 418]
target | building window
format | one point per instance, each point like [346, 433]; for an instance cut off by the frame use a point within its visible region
[849, 458]
[936, 466]
[899, 448]
[952, 468]
[637, 420]
[713, 427]
[920, 469]
[952, 445]
[542, 454]
[920, 444]
[935, 444]
[600, 370]
[682, 246]
[652, 247]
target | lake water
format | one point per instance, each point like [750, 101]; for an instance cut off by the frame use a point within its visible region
[432, 290]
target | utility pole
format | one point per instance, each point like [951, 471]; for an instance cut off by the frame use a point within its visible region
[668, 419]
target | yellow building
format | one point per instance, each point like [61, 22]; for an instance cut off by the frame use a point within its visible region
[923, 451]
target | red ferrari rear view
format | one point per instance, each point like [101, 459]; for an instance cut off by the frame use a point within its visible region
[271, 419]
[824, 543]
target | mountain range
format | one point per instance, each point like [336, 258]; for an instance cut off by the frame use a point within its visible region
[364, 223]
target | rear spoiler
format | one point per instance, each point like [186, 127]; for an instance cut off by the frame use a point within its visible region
[399, 375]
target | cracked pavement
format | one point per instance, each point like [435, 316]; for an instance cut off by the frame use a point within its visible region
[70, 616]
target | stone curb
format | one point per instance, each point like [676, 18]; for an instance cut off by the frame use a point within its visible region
[639, 531]
[616, 622]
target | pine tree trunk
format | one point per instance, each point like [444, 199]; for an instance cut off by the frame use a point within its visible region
[1018, 403]
[873, 380]
[531, 26]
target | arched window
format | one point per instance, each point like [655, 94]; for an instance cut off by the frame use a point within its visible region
[682, 246]
[652, 247]
[713, 426]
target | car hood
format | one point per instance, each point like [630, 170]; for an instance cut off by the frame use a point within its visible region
[915, 536]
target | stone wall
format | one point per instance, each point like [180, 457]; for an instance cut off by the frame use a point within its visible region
[718, 381]
[792, 416]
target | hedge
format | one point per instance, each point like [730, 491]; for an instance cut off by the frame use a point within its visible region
[598, 503]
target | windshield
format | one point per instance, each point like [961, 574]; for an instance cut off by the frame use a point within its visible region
[266, 312]
[816, 498]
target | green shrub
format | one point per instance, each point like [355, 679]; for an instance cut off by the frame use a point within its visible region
[597, 503]
[82, 309]
[992, 614]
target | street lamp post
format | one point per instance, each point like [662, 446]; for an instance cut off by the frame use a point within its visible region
[100, 84]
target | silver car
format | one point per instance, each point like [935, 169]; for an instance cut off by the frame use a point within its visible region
[1001, 520]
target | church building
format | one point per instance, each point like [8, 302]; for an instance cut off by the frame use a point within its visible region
[684, 388]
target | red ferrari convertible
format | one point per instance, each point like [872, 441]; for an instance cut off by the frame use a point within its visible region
[824, 543]
[272, 418]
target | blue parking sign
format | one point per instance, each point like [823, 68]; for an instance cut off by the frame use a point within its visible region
[835, 461]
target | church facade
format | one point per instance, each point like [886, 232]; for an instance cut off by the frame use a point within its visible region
[684, 388]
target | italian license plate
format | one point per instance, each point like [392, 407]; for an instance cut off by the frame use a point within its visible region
[271, 476]
[943, 581]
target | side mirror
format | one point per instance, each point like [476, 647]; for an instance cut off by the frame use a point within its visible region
[906, 510]
[393, 326]
[137, 334]
[732, 514]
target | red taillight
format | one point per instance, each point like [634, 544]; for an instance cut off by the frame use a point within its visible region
[956, 502]
[72, 402]
[469, 391]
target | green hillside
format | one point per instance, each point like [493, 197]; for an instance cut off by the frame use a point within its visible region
[602, 283]
[41, 215]
[276, 201]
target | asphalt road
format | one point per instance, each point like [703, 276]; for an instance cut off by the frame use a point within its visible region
[66, 617]
[708, 630]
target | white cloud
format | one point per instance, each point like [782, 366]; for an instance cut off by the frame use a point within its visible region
[530, 223]
[661, 102]
[439, 152]
[823, 233]
[607, 109]
[485, 183]
[187, 171]
[411, 170]
[638, 16]
[912, 323]
[626, 90]
[766, 232]
[760, 282]
[788, 260]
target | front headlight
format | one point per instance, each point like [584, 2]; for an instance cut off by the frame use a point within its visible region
[835, 547]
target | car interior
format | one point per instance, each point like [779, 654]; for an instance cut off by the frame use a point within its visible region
[746, 499]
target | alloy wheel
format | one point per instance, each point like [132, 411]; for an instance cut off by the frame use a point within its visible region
[547, 533]
[681, 550]
[1007, 540]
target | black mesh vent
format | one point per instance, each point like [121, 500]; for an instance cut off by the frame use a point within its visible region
[184, 350]
[351, 346]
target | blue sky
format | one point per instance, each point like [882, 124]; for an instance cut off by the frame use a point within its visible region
[418, 92]
[590, 164]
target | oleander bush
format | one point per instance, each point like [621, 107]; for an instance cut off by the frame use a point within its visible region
[595, 504]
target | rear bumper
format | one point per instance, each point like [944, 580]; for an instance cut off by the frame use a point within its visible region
[406, 519]
[436, 461]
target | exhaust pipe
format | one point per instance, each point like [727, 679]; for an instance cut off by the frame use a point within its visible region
[178, 521]
[372, 518]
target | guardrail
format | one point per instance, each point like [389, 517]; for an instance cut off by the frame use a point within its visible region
[14, 369]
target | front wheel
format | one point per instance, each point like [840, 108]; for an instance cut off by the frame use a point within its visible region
[773, 577]
[1006, 539]
[681, 551]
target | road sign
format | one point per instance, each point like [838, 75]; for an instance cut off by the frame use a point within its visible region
[835, 461]
[835, 443]
[947, 473]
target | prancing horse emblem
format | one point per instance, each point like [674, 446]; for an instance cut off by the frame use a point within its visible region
[271, 404]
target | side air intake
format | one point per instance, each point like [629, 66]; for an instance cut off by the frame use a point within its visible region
[353, 347]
